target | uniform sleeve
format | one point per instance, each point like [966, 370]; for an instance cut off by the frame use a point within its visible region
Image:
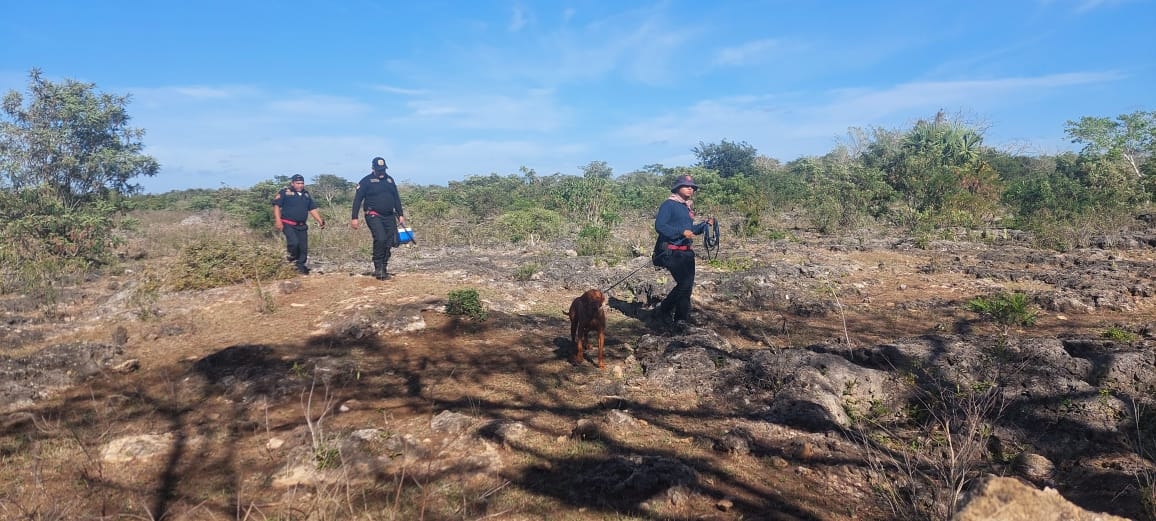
[358, 197]
[397, 202]
[278, 200]
[666, 223]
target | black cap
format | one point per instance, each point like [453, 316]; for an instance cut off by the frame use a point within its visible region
[379, 166]
[297, 177]
[683, 180]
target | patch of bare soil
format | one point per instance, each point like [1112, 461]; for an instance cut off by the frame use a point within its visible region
[337, 396]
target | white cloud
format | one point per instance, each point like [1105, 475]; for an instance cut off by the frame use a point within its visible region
[317, 105]
[204, 92]
[535, 110]
[810, 123]
[745, 54]
[517, 19]
[639, 45]
[398, 90]
[1084, 6]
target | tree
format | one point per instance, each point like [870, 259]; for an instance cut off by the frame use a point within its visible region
[71, 139]
[333, 189]
[1131, 137]
[727, 158]
[937, 166]
[589, 198]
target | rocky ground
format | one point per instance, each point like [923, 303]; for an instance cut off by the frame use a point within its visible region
[821, 379]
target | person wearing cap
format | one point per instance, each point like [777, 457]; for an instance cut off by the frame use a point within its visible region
[672, 250]
[377, 195]
[292, 207]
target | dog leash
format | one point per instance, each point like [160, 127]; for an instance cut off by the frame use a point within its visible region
[710, 240]
[623, 279]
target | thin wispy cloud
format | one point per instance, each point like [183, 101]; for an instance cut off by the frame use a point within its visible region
[204, 92]
[399, 90]
[1085, 6]
[745, 54]
[517, 20]
[317, 105]
[819, 117]
[534, 110]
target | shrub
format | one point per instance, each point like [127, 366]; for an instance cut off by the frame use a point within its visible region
[529, 225]
[592, 240]
[1007, 309]
[1120, 334]
[211, 263]
[467, 303]
[47, 243]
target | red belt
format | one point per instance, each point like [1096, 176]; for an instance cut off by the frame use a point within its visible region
[677, 248]
[375, 214]
[293, 223]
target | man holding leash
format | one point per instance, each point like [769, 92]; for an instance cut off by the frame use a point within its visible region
[377, 194]
[676, 230]
[292, 206]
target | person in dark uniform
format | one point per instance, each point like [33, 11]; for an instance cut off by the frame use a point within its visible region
[672, 250]
[292, 206]
[377, 194]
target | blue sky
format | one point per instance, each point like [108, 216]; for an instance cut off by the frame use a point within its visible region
[234, 92]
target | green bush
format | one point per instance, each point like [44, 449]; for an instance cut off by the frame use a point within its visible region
[529, 224]
[1007, 309]
[212, 263]
[592, 240]
[467, 303]
[1120, 334]
[48, 243]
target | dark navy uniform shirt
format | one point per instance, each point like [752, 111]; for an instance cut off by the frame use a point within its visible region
[674, 217]
[378, 194]
[295, 206]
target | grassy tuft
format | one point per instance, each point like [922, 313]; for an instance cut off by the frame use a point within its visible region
[211, 263]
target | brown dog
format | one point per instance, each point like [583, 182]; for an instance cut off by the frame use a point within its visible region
[586, 315]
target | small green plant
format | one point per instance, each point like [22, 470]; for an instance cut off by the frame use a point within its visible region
[466, 302]
[327, 457]
[732, 263]
[1120, 334]
[265, 302]
[525, 272]
[878, 410]
[1007, 309]
[778, 235]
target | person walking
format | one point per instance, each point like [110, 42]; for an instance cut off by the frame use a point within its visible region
[292, 207]
[377, 195]
[672, 250]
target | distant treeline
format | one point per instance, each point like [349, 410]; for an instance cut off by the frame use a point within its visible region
[69, 158]
[935, 175]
